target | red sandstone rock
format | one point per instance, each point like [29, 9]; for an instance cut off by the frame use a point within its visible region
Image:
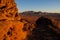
[10, 26]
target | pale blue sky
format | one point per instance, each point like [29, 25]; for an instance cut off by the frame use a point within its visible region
[38, 5]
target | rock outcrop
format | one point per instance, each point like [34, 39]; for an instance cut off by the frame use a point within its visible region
[10, 25]
[8, 9]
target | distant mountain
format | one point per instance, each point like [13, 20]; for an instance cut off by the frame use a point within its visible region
[32, 16]
[32, 13]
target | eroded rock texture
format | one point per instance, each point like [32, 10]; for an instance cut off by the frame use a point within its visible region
[8, 9]
[10, 25]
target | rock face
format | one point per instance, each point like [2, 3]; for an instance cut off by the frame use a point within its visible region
[10, 25]
[8, 9]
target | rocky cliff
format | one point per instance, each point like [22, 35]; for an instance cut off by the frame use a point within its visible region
[10, 25]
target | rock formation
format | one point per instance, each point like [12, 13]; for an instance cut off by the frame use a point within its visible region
[10, 25]
[8, 9]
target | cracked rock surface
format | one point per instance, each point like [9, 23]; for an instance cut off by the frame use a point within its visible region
[10, 26]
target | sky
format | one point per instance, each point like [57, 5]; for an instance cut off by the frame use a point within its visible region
[38, 5]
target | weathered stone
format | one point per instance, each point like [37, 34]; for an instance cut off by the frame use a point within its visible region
[10, 25]
[8, 9]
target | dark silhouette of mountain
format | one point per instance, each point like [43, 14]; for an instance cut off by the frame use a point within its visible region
[43, 32]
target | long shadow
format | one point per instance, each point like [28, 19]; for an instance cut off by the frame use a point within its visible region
[43, 32]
